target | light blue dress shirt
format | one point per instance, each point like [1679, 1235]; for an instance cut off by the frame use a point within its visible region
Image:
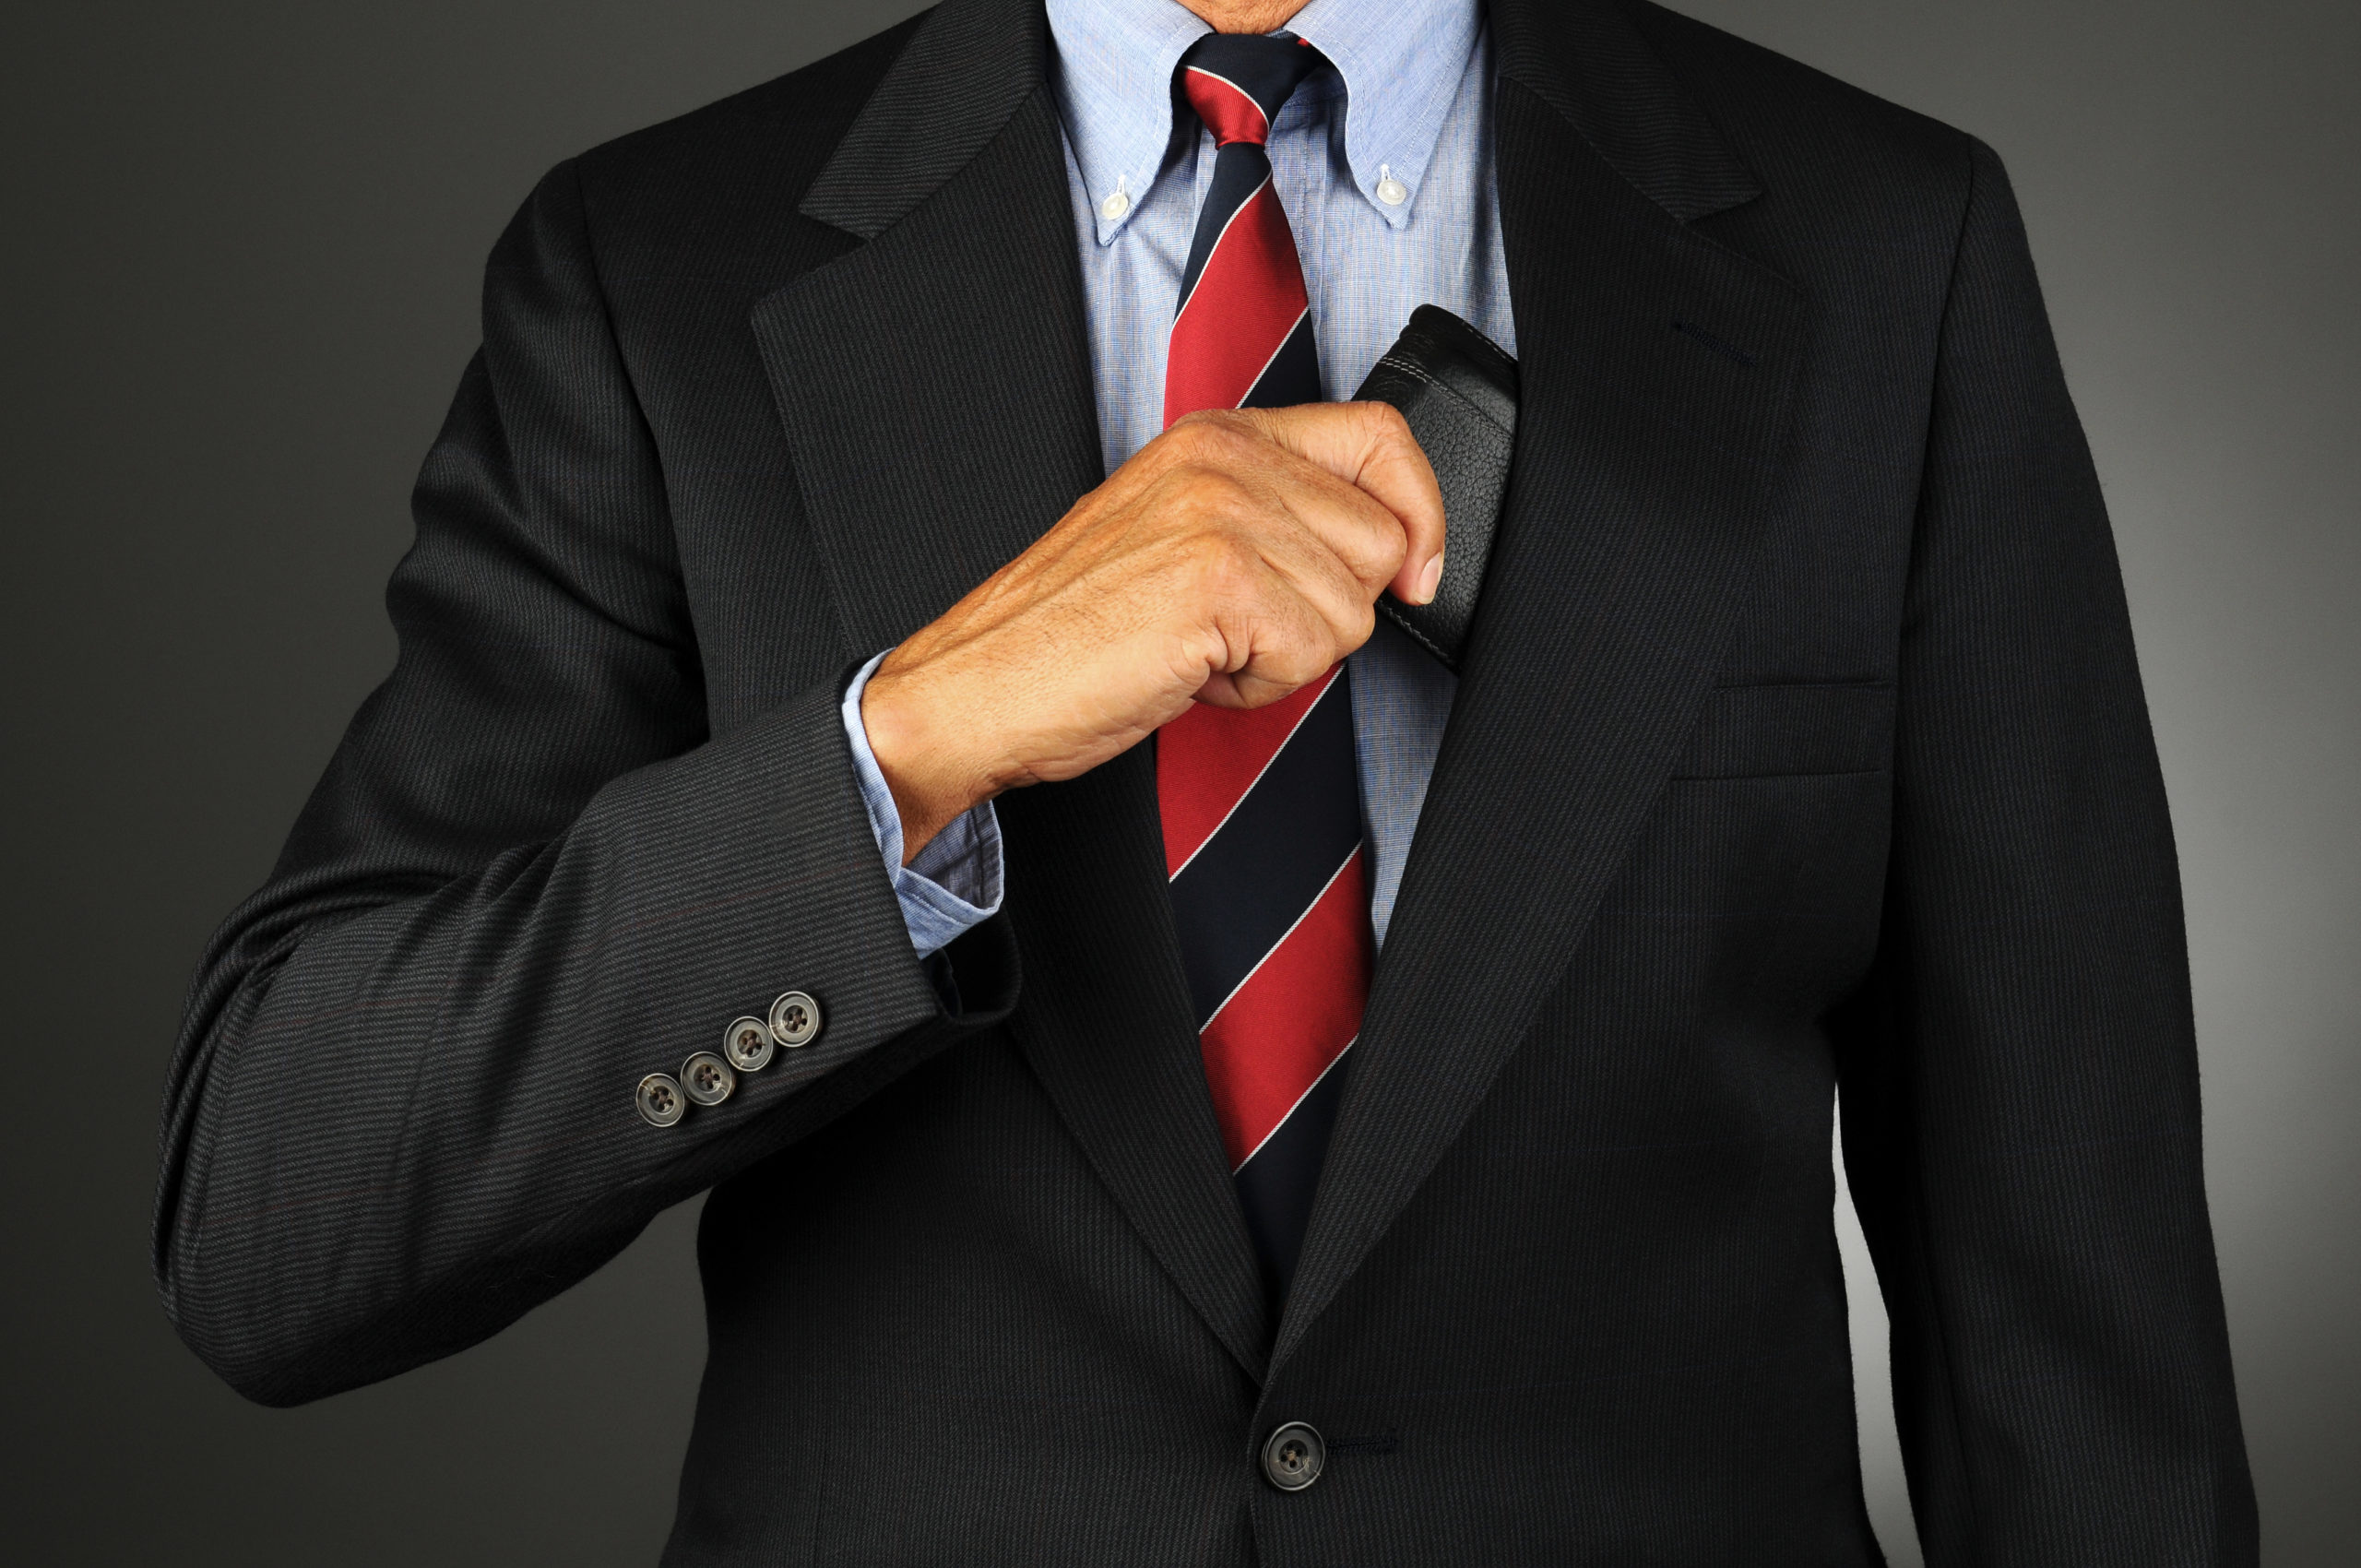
[1393, 207]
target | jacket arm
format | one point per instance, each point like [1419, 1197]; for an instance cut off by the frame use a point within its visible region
[2019, 1080]
[402, 1111]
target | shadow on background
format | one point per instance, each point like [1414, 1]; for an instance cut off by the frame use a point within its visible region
[241, 245]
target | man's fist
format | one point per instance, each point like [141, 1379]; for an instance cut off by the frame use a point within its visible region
[1234, 558]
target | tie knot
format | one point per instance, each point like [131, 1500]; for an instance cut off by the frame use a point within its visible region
[1237, 82]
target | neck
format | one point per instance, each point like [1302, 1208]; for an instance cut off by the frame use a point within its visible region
[1246, 15]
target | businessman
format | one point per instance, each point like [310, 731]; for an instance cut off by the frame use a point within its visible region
[890, 730]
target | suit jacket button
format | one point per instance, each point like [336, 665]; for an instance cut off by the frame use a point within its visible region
[1291, 1459]
[747, 1043]
[795, 1019]
[661, 1103]
[706, 1078]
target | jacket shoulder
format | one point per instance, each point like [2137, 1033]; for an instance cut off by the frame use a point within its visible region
[1800, 129]
[753, 152]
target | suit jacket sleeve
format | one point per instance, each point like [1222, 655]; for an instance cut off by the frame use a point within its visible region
[402, 1111]
[2019, 1084]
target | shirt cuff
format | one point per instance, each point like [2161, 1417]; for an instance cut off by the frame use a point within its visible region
[951, 885]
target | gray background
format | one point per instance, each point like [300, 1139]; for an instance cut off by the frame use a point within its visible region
[241, 244]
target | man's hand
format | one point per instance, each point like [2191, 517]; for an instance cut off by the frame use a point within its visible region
[1234, 558]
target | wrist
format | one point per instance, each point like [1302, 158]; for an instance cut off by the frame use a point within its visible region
[932, 782]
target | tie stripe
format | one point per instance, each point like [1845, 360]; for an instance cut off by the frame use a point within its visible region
[1288, 1020]
[1229, 109]
[1242, 332]
[1199, 785]
[1277, 849]
[1262, 810]
[1238, 318]
[1269, 882]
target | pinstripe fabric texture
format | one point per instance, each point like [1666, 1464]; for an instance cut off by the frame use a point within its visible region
[1798, 742]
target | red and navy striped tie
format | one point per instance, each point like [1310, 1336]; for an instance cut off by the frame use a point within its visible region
[1262, 810]
[1241, 337]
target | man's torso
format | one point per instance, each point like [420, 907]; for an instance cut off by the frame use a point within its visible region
[1586, 1262]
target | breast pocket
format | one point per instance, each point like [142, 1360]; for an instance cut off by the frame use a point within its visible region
[1772, 732]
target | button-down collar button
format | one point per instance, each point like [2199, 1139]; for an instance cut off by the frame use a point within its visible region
[1292, 1458]
[1391, 191]
[660, 1100]
[747, 1043]
[1118, 202]
[795, 1019]
[706, 1078]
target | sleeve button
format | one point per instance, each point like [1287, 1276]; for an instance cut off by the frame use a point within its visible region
[747, 1043]
[795, 1019]
[706, 1078]
[660, 1100]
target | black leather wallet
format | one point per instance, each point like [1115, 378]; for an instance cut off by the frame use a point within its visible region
[1458, 392]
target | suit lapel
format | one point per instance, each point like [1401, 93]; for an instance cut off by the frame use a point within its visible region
[935, 382]
[935, 388]
[1656, 370]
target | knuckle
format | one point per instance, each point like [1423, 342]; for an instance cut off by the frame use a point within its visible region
[1227, 560]
[1207, 432]
[1213, 492]
[1383, 422]
[1299, 662]
[1218, 562]
[1186, 437]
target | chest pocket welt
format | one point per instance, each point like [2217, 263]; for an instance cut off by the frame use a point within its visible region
[1769, 731]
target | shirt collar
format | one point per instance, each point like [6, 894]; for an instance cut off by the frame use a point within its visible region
[1401, 62]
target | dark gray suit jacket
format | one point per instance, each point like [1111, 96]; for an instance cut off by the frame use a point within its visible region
[1800, 743]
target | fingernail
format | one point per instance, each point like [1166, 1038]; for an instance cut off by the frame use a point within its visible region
[1429, 579]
